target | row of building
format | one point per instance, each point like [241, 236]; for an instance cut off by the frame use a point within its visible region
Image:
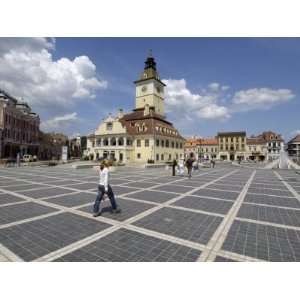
[20, 133]
[143, 135]
[236, 146]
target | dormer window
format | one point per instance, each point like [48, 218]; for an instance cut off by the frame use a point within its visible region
[109, 126]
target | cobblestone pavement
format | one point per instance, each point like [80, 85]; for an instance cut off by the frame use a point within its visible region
[222, 214]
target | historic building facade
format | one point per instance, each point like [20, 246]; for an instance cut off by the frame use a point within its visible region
[232, 145]
[293, 148]
[142, 135]
[19, 127]
[192, 147]
[256, 149]
[209, 148]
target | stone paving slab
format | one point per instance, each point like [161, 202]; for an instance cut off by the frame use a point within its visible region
[217, 194]
[142, 184]
[23, 187]
[272, 200]
[205, 204]
[17, 212]
[270, 214]
[173, 188]
[271, 192]
[7, 198]
[38, 238]
[83, 186]
[46, 192]
[129, 209]
[187, 225]
[72, 200]
[153, 196]
[126, 245]
[265, 242]
[224, 259]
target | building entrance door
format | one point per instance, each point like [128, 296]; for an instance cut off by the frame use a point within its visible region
[231, 157]
[121, 157]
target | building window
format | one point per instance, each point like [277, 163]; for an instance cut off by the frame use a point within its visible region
[121, 141]
[157, 157]
[167, 143]
[170, 156]
[162, 143]
[138, 143]
[109, 126]
[157, 143]
[162, 157]
[129, 142]
[172, 145]
[113, 142]
[138, 155]
[176, 145]
[146, 143]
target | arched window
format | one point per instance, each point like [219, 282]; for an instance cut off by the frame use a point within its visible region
[113, 141]
[105, 142]
[98, 142]
[121, 141]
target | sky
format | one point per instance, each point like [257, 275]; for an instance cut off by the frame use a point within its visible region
[213, 84]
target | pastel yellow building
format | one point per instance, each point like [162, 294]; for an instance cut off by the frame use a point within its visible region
[143, 135]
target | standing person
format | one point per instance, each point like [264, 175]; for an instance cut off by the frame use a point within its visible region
[189, 165]
[212, 162]
[18, 159]
[174, 165]
[181, 166]
[105, 188]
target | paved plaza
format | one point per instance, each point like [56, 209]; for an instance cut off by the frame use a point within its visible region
[223, 214]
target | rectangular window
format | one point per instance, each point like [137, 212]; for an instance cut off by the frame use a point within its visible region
[146, 143]
[157, 143]
[172, 145]
[170, 156]
[157, 157]
[162, 143]
[167, 143]
[138, 143]
[109, 126]
[138, 155]
[162, 157]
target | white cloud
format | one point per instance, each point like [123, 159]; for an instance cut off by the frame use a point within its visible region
[181, 101]
[60, 122]
[260, 98]
[28, 70]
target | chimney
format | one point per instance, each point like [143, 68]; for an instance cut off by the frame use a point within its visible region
[146, 110]
[120, 113]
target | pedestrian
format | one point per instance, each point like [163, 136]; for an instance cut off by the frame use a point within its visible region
[18, 159]
[212, 162]
[181, 167]
[174, 165]
[189, 165]
[105, 188]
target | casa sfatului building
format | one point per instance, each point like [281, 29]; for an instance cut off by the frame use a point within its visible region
[143, 134]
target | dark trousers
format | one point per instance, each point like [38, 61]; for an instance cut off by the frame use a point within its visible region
[190, 171]
[101, 192]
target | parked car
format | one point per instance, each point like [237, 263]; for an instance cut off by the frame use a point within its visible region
[27, 158]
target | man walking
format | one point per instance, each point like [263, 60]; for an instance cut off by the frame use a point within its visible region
[105, 188]
[189, 165]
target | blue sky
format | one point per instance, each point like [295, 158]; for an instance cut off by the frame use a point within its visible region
[214, 84]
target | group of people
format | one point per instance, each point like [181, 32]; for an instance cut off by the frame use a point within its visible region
[189, 163]
[104, 187]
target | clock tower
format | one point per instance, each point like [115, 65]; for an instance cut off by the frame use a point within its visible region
[149, 89]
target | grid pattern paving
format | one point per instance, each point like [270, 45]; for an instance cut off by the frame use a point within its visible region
[224, 214]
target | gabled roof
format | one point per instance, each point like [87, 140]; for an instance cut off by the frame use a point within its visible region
[296, 139]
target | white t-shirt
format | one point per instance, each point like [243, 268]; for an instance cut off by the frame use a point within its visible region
[103, 178]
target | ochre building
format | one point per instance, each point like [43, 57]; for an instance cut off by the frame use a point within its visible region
[143, 135]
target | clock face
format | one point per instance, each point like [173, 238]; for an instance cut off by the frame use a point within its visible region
[144, 89]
